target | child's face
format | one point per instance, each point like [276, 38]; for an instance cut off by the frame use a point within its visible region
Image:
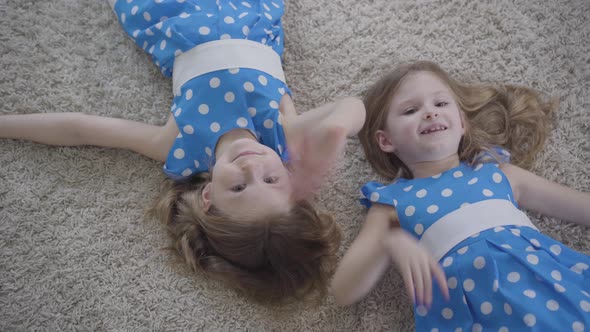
[249, 181]
[424, 122]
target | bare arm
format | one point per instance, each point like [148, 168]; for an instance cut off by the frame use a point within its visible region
[541, 195]
[68, 129]
[381, 241]
[366, 260]
[317, 138]
[347, 114]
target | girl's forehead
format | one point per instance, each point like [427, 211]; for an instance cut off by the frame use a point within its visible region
[422, 80]
[415, 84]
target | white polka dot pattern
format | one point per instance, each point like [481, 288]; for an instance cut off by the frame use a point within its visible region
[210, 105]
[509, 275]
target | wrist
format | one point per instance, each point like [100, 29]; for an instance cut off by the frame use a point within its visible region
[391, 238]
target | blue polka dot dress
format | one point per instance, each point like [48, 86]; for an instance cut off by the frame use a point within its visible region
[507, 278]
[210, 105]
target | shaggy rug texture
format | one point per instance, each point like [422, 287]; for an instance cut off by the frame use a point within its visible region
[76, 252]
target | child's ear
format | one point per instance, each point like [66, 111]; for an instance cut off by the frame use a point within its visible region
[206, 197]
[384, 142]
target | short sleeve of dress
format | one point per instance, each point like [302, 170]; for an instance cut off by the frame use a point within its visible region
[374, 192]
[496, 154]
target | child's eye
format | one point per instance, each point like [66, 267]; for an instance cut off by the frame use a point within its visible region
[270, 179]
[410, 111]
[441, 104]
[238, 188]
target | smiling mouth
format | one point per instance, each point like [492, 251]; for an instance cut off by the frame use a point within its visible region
[246, 153]
[433, 128]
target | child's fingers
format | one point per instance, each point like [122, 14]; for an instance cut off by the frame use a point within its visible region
[427, 283]
[441, 279]
[418, 283]
[314, 158]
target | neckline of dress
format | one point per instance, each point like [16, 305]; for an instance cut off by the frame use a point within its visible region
[462, 164]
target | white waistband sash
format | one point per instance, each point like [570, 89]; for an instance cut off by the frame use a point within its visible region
[460, 224]
[225, 54]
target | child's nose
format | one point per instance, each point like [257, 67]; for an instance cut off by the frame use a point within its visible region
[251, 167]
[430, 115]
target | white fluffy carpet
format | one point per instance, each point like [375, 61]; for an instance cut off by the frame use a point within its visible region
[75, 252]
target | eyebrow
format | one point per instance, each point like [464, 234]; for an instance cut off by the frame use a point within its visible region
[443, 92]
[235, 194]
[411, 100]
[403, 104]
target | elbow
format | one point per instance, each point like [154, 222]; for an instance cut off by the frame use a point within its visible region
[355, 113]
[347, 116]
[352, 101]
[356, 107]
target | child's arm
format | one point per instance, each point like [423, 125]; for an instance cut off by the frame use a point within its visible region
[417, 267]
[538, 194]
[81, 129]
[366, 260]
[317, 138]
[369, 255]
[347, 114]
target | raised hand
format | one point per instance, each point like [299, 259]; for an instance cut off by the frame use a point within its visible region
[313, 157]
[416, 265]
[317, 138]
